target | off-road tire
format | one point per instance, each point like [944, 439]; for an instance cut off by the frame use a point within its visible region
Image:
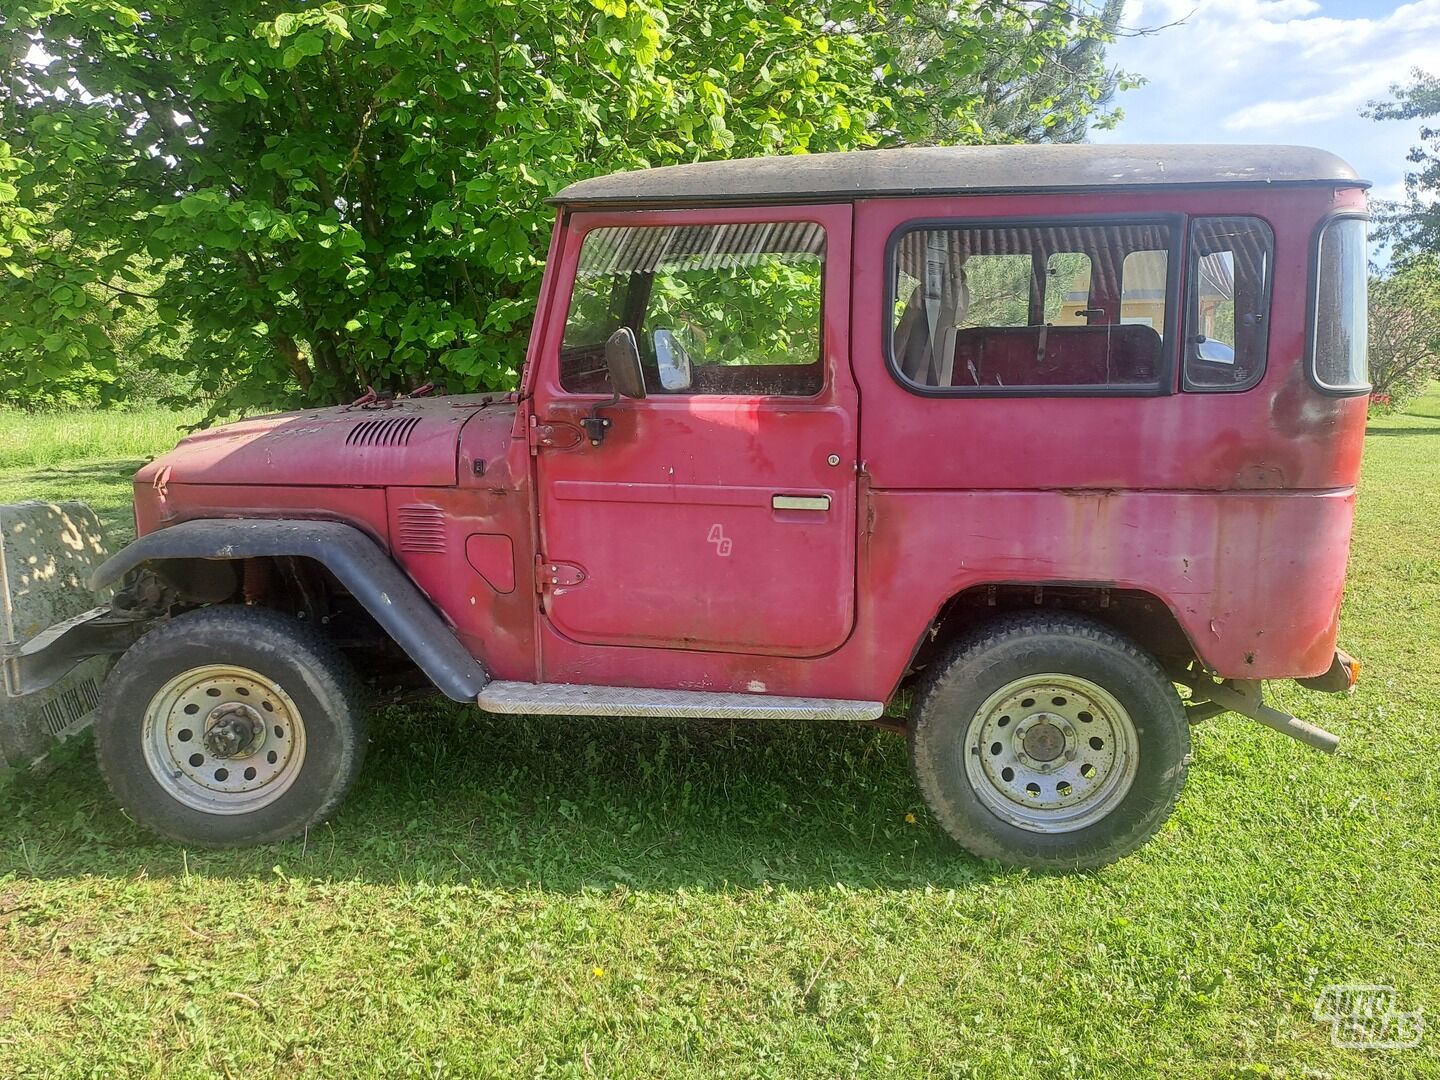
[307, 668]
[982, 663]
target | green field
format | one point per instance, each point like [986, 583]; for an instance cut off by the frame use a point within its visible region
[563, 898]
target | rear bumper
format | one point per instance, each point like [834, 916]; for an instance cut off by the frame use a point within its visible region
[1339, 678]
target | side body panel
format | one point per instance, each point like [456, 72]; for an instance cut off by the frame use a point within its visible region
[1234, 509]
[1253, 578]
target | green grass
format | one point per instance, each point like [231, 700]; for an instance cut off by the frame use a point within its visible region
[509, 896]
[85, 455]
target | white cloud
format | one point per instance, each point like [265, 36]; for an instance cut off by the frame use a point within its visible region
[1308, 110]
[1356, 59]
[1294, 63]
[1278, 71]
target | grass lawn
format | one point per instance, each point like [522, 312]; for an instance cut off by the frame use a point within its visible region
[85, 455]
[507, 896]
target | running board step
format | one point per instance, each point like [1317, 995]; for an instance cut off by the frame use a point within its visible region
[564, 699]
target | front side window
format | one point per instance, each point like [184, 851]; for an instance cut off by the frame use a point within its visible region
[1339, 336]
[715, 309]
[1031, 307]
[1228, 309]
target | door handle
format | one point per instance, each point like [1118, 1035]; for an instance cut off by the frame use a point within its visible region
[800, 502]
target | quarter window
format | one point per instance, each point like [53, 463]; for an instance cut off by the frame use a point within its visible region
[1339, 337]
[1031, 307]
[716, 309]
[1228, 308]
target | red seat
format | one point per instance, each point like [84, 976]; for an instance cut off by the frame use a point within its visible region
[1108, 355]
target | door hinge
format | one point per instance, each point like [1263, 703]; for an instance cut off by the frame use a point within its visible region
[552, 434]
[549, 573]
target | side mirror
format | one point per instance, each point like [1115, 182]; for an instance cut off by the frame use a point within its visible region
[622, 361]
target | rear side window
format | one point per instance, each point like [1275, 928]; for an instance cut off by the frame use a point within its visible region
[1227, 319]
[715, 309]
[1339, 335]
[1031, 307]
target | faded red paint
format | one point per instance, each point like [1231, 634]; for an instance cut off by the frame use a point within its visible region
[349, 446]
[1233, 510]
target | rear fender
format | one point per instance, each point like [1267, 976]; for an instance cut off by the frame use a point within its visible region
[196, 557]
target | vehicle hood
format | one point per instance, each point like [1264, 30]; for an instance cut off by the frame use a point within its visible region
[410, 442]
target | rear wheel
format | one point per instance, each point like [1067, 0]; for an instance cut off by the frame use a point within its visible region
[230, 726]
[1049, 741]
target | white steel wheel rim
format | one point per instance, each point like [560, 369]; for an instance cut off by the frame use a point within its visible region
[223, 739]
[1051, 753]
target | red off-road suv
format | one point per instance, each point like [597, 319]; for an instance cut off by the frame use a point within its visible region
[1022, 436]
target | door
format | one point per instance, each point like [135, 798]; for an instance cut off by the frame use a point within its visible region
[717, 513]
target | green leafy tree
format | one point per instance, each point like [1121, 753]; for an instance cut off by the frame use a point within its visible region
[1405, 302]
[1039, 74]
[295, 200]
[1413, 223]
[1405, 330]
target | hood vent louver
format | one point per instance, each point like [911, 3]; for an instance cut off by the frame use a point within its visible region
[420, 529]
[387, 431]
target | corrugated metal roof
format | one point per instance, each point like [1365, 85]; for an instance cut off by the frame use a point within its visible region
[967, 170]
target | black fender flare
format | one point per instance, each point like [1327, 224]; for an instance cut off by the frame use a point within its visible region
[360, 564]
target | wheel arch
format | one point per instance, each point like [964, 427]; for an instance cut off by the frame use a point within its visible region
[1142, 616]
[201, 559]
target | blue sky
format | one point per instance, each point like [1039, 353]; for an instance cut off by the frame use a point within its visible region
[1277, 71]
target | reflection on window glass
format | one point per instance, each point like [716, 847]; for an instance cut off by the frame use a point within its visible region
[1228, 309]
[999, 290]
[1030, 306]
[1340, 333]
[1215, 299]
[1142, 289]
[716, 309]
[1067, 288]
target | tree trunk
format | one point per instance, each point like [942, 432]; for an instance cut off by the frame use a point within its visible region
[286, 347]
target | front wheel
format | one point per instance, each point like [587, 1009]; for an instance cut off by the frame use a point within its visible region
[230, 726]
[1050, 742]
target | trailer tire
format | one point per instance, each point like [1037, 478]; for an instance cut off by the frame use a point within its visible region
[1048, 741]
[231, 726]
